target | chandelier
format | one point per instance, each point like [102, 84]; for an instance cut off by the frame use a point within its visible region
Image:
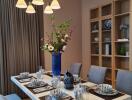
[30, 9]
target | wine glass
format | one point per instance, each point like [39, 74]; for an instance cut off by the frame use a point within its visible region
[77, 93]
[84, 92]
[41, 70]
[38, 75]
[55, 81]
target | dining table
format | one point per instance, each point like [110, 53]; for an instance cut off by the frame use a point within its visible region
[47, 79]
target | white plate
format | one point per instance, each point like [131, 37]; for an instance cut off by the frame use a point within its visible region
[31, 85]
[114, 92]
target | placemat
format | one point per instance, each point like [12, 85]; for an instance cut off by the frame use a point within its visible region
[50, 74]
[41, 89]
[23, 80]
[82, 81]
[106, 97]
[63, 98]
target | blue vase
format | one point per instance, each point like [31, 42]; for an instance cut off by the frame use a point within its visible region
[56, 64]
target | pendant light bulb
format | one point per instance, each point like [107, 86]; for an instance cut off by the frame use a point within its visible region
[48, 10]
[38, 2]
[30, 9]
[21, 4]
[55, 4]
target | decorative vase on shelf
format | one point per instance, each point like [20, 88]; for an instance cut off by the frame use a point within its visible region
[56, 64]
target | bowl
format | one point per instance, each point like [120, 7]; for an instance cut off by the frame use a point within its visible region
[24, 75]
[106, 88]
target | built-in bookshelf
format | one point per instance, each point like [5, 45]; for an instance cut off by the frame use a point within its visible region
[111, 45]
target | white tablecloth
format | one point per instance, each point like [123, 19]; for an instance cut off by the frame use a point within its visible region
[48, 79]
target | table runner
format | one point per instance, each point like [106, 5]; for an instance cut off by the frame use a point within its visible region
[106, 97]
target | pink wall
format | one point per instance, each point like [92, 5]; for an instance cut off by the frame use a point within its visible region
[71, 9]
[79, 47]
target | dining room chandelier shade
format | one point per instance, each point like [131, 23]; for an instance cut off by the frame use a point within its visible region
[48, 10]
[55, 4]
[21, 4]
[38, 2]
[30, 9]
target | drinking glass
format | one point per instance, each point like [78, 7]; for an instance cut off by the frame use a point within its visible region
[77, 78]
[55, 81]
[77, 93]
[41, 70]
[38, 75]
[80, 92]
[84, 92]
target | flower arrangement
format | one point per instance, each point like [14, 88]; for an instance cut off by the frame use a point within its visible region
[57, 40]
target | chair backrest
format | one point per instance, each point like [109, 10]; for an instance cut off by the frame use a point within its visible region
[75, 68]
[96, 74]
[124, 81]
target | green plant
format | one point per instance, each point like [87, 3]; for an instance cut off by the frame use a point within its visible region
[122, 50]
[59, 37]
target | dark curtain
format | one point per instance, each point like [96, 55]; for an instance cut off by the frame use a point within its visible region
[20, 35]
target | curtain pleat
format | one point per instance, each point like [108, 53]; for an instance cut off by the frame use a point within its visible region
[19, 42]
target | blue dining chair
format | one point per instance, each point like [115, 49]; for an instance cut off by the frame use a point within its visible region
[75, 68]
[96, 74]
[10, 97]
[124, 81]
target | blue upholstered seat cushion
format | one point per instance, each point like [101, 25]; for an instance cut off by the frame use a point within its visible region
[2, 97]
[96, 74]
[12, 97]
[124, 81]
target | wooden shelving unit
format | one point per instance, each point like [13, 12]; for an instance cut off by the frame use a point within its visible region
[102, 22]
[122, 24]
[111, 41]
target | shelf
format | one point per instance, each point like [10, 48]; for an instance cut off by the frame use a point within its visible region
[106, 42]
[96, 31]
[121, 41]
[106, 56]
[94, 42]
[106, 30]
[122, 14]
[94, 20]
[121, 69]
[94, 54]
[121, 56]
[106, 17]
